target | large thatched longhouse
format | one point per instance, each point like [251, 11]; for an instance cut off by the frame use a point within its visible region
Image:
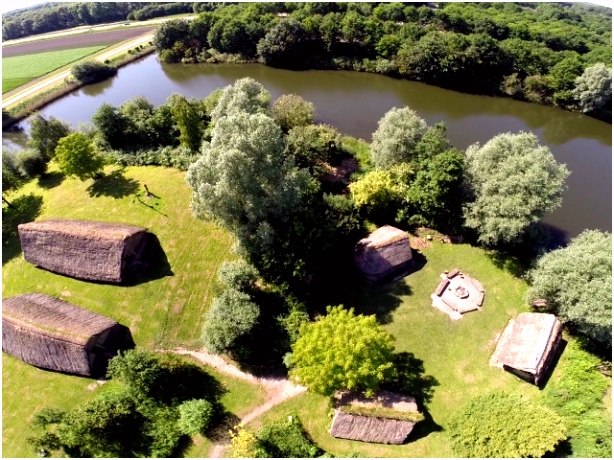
[384, 254]
[53, 334]
[97, 251]
[387, 418]
[528, 346]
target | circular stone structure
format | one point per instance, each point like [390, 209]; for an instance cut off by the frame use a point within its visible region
[457, 294]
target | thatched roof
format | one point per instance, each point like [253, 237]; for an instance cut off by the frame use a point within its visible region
[384, 253]
[348, 424]
[528, 344]
[98, 251]
[53, 334]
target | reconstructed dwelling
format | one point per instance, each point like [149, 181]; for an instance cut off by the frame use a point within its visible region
[384, 254]
[528, 346]
[97, 251]
[457, 293]
[53, 334]
[354, 417]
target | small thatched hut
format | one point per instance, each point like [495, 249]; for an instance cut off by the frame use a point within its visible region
[384, 254]
[98, 251]
[53, 334]
[528, 346]
[387, 418]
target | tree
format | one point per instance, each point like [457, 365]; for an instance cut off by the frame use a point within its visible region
[576, 282]
[593, 89]
[313, 146]
[30, 163]
[243, 443]
[194, 416]
[92, 72]
[514, 182]
[232, 315]
[396, 137]
[45, 134]
[11, 179]
[499, 425]
[76, 157]
[187, 117]
[285, 45]
[139, 370]
[342, 351]
[245, 95]
[111, 125]
[290, 111]
[238, 275]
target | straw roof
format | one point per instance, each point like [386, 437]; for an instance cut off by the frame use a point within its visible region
[347, 424]
[384, 253]
[528, 344]
[98, 251]
[53, 334]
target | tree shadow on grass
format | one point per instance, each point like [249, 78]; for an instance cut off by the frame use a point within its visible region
[114, 185]
[555, 360]
[411, 379]
[423, 428]
[25, 208]
[50, 180]
[219, 431]
[563, 449]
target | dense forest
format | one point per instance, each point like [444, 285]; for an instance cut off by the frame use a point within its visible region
[50, 17]
[549, 53]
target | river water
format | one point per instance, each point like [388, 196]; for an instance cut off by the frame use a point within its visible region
[354, 102]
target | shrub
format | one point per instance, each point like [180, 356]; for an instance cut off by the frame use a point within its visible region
[286, 439]
[30, 164]
[194, 416]
[93, 72]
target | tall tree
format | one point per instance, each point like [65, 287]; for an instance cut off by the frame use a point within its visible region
[76, 156]
[514, 182]
[593, 89]
[290, 110]
[245, 95]
[396, 137]
[576, 282]
[189, 120]
[342, 351]
[45, 134]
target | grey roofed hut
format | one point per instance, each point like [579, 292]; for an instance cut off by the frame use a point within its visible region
[354, 417]
[384, 254]
[53, 334]
[528, 345]
[97, 251]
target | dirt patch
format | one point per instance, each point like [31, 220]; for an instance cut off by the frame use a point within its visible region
[75, 41]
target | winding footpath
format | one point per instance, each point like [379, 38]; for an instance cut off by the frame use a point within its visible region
[277, 390]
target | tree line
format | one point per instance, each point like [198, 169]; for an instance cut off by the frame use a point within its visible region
[553, 54]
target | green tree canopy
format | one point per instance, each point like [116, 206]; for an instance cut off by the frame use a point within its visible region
[194, 416]
[342, 351]
[245, 95]
[499, 425]
[45, 134]
[514, 181]
[290, 110]
[593, 89]
[576, 282]
[396, 137]
[76, 156]
[188, 117]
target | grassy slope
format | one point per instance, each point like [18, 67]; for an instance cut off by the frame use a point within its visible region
[161, 313]
[18, 70]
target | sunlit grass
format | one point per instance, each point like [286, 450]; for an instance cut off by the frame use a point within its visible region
[18, 70]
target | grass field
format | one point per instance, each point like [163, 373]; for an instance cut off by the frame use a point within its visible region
[161, 313]
[18, 70]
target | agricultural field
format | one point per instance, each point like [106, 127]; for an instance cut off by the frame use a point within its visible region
[19, 70]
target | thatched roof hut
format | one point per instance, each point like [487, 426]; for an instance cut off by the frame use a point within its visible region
[384, 254]
[528, 346]
[387, 418]
[98, 251]
[53, 334]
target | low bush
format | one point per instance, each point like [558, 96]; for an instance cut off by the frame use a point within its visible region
[286, 439]
[174, 157]
[92, 72]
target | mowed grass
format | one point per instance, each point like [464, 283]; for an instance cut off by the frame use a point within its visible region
[18, 70]
[454, 354]
[161, 313]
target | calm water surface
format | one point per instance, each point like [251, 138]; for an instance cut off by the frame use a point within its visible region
[354, 102]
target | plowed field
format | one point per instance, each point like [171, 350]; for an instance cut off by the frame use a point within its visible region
[75, 41]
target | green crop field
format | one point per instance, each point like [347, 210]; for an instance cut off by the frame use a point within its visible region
[18, 70]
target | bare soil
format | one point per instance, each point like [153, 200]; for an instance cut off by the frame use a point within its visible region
[109, 37]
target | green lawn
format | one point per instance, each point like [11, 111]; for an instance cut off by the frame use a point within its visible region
[18, 70]
[161, 313]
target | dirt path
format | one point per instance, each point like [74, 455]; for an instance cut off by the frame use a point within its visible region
[277, 390]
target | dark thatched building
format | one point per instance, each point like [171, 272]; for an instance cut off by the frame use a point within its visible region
[53, 334]
[384, 254]
[528, 346]
[97, 251]
[387, 418]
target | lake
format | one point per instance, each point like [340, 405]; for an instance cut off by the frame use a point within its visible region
[354, 102]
